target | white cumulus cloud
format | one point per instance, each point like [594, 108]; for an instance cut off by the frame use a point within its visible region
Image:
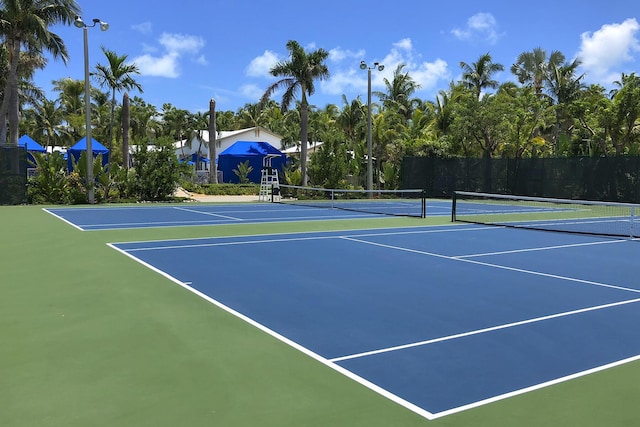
[166, 62]
[260, 66]
[479, 26]
[604, 51]
[347, 77]
[144, 27]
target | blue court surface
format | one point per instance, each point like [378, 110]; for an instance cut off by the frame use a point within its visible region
[181, 215]
[438, 319]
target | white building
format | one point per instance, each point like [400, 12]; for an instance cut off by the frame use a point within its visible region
[186, 148]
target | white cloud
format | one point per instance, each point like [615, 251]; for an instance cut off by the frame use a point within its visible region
[479, 26]
[260, 66]
[347, 78]
[251, 91]
[144, 27]
[342, 79]
[181, 43]
[603, 51]
[404, 44]
[167, 63]
[350, 78]
[428, 74]
[201, 60]
[163, 66]
[338, 54]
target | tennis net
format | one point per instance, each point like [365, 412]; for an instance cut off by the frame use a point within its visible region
[385, 202]
[564, 215]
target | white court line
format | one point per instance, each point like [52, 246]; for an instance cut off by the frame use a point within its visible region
[63, 219]
[481, 331]
[438, 228]
[543, 248]
[501, 267]
[209, 213]
[383, 392]
[287, 239]
[213, 222]
[234, 243]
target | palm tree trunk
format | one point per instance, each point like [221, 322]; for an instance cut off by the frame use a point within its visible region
[213, 167]
[13, 112]
[3, 115]
[126, 122]
[112, 119]
[304, 136]
[9, 108]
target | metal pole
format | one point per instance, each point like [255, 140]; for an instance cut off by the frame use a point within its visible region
[369, 148]
[87, 115]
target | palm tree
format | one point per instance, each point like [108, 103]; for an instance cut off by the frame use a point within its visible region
[251, 115]
[70, 102]
[564, 87]
[399, 91]
[299, 74]
[478, 75]
[25, 24]
[176, 124]
[48, 122]
[116, 75]
[199, 122]
[532, 68]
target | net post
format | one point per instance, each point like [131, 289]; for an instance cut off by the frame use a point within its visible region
[631, 231]
[453, 207]
[423, 194]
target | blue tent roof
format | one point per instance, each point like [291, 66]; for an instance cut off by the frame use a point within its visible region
[31, 145]
[251, 148]
[252, 152]
[96, 147]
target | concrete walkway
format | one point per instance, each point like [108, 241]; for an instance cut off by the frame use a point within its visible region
[180, 192]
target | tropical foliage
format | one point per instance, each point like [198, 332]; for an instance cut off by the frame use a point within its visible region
[546, 110]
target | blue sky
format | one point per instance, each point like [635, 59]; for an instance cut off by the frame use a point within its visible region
[197, 50]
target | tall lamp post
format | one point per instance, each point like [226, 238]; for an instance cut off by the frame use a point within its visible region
[379, 67]
[87, 102]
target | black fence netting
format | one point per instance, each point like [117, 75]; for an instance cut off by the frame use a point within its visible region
[587, 178]
[13, 175]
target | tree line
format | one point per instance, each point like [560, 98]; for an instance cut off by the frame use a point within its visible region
[547, 110]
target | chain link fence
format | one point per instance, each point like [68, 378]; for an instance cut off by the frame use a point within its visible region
[13, 175]
[588, 178]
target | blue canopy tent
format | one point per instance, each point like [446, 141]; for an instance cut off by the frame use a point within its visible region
[27, 141]
[80, 146]
[32, 147]
[253, 152]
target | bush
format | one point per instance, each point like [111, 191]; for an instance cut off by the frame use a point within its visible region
[229, 189]
[157, 172]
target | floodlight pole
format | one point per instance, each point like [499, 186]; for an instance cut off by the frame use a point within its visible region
[79, 23]
[380, 67]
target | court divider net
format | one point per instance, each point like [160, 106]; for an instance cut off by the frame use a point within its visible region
[561, 215]
[410, 203]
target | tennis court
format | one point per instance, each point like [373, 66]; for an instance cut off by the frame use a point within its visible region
[113, 218]
[437, 319]
[320, 317]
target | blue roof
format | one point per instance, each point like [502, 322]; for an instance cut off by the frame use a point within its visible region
[251, 148]
[31, 145]
[96, 147]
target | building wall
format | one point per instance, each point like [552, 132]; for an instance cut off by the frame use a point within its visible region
[227, 138]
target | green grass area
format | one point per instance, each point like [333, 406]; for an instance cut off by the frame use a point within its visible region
[91, 338]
